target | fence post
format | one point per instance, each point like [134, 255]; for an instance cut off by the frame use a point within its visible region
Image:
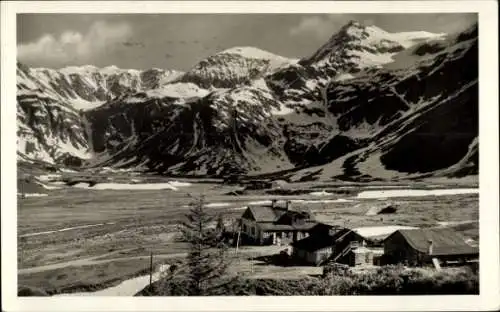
[151, 269]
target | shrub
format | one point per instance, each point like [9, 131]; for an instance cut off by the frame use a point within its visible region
[387, 280]
[28, 291]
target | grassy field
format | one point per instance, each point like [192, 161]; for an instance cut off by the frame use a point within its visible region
[134, 223]
[87, 277]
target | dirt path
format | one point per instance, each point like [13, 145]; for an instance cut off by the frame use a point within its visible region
[132, 286]
[128, 287]
[95, 260]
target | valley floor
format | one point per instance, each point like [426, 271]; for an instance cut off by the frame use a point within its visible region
[81, 239]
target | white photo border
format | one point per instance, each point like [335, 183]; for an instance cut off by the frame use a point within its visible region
[488, 176]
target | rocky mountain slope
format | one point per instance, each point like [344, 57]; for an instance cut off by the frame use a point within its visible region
[50, 104]
[87, 87]
[367, 105]
[234, 67]
[417, 116]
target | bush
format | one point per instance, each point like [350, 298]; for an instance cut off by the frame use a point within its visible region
[387, 280]
[393, 280]
[28, 291]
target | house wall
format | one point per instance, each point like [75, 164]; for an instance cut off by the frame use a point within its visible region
[250, 228]
[323, 254]
[254, 231]
[363, 258]
[313, 257]
[317, 256]
[357, 258]
[397, 250]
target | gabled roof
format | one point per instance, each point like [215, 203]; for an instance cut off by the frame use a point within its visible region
[291, 214]
[266, 213]
[273, 214]
[323, 239]
[444, 241]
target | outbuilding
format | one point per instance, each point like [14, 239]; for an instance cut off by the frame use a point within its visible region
[417, 247]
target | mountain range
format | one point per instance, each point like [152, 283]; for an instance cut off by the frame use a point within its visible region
[367, 105]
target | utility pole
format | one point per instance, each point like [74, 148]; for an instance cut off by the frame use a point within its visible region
[251, 262]
[238, 240]
[151, 269]
[22, 188]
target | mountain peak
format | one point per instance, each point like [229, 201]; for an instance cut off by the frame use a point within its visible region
[367, 45]
[352, 24]
[234, 66]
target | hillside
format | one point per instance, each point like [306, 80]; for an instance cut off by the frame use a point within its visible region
[366, 105]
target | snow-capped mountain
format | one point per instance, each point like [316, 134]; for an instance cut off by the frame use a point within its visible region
[87, 87]
[350, 111]
[359, 46]
[415, 120]
[234, 67]
[353, 49]
[50, 124]
[49, 129]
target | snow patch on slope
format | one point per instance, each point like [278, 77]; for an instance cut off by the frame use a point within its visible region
[276, 61]
[174, 90]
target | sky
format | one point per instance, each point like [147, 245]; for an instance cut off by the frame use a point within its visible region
[179, 41]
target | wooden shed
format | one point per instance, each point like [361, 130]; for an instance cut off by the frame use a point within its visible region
[417, 247]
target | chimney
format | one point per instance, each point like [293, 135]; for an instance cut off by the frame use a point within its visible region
[287, 204]
[430, 247]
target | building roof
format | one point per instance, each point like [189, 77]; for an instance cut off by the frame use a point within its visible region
[321, 240]
[273, 214]
[266, 213]
[444, 241]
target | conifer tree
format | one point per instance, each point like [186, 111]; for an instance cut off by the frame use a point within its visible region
[206, 261]
[220, 228]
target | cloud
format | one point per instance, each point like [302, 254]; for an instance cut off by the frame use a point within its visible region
[71, 44]
[324, 26]
[319, 26]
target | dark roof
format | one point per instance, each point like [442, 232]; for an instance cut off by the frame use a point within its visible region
[321, 226]
[266, 213]
[444, 241]
[292, 214]
[270, 214]
[322, 239]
